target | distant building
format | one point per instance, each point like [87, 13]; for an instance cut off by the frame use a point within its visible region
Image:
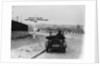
[17, 26]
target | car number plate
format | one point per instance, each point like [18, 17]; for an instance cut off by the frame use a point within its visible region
[55, 45]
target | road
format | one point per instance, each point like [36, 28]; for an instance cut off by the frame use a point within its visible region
[73, 51]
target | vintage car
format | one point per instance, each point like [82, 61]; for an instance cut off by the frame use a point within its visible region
[56, 45]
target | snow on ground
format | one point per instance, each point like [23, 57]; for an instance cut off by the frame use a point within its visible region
[28, 47]
[27, 51]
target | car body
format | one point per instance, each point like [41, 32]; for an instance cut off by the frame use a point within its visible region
[56, 45]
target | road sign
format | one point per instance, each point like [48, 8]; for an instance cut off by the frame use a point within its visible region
[35, 19]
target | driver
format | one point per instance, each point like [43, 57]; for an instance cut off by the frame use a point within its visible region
[60, 35]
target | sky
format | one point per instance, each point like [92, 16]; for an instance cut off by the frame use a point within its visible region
[56, 14]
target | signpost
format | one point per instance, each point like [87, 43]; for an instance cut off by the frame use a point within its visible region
[34, 20]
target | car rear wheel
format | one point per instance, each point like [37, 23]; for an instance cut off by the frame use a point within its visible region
[64, 50]
[47, 50]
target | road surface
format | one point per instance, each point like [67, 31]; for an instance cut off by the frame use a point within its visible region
[73, 51]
